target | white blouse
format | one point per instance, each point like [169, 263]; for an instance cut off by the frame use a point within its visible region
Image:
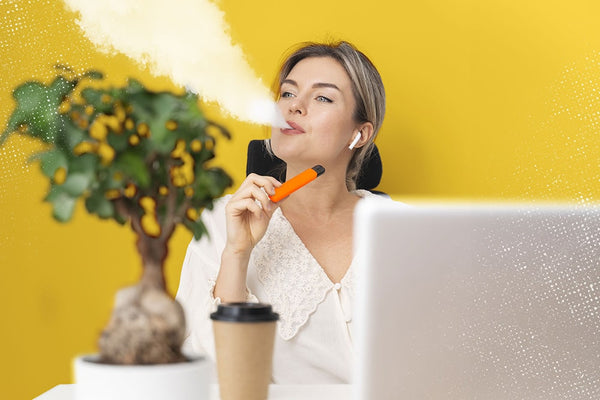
[313, 343]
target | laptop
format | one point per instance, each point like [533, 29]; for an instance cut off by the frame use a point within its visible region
[477, 302]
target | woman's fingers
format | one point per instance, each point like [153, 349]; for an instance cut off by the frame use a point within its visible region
[246, 223]
[258, 188]
[244, 207]
[249, 211]
[258, 208]
[268, 183]
[260, 195]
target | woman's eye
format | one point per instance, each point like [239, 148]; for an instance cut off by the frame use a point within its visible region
[285, 95]
[324, 99]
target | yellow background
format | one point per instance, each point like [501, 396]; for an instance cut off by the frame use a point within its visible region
[486, 100]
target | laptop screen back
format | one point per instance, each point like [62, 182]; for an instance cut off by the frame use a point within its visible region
[489, 302]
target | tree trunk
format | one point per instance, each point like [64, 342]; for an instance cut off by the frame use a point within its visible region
[147, 325]
[153, 252]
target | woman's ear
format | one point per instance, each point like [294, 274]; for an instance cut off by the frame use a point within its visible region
[366, 132]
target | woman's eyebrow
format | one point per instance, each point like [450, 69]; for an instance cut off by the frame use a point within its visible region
[315, 85]
[324, 84]
[289, 82]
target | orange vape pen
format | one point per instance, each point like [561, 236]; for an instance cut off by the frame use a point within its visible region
[296, 183]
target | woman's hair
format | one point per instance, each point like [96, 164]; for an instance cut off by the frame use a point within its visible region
[367, 87]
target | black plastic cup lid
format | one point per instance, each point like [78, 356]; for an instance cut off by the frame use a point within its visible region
[244, 312]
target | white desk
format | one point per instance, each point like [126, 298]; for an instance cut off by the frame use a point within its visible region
[276, 392]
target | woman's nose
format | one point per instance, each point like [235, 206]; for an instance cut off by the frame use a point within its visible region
[297, 106]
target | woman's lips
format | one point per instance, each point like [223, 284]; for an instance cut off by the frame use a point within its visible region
[296, 129]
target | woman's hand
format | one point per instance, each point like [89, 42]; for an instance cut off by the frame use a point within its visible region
[248, 213]
[247, 216]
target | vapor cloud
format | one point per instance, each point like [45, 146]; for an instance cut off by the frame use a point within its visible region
[186, 40]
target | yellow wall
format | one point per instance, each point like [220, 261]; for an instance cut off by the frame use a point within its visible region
[486, 99]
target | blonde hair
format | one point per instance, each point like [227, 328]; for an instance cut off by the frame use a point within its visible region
[367, 87]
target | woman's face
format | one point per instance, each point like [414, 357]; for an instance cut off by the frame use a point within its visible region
[316, 99]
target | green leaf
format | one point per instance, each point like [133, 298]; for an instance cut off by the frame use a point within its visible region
[134, 86]
[119, 142]
[30, 111]
[51, 161]
[59, 89]
[196, 227]
[86, 164]
[92, 96]
[76, 183]
[109, 181]
[224, 131]
[37, 107]
[98, 204]
[73, 135]
[216, 181]
[163, 105]
[120, 219]
[64, 68]
[93, 74]
[30, 96]
[133, 165]
[63, 205]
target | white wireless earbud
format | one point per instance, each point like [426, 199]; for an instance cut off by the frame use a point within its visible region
[356, 139]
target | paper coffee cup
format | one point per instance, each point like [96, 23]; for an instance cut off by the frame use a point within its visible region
[244, 337]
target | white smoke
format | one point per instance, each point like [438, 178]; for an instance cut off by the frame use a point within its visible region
[186, 40]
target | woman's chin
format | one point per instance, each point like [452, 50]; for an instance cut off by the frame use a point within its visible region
[284, 151]
[294, 153]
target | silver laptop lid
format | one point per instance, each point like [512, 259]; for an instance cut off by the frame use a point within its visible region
[486, 302]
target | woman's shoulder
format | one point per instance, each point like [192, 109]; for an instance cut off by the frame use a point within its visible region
[377, 196]
[366, 194]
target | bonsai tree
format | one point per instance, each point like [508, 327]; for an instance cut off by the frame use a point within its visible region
[138, 157]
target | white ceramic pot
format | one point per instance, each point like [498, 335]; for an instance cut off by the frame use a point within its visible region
[178, 381]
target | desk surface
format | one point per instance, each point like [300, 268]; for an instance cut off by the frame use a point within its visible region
[276, 392]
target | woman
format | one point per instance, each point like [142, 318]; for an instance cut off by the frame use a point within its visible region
[295, 254]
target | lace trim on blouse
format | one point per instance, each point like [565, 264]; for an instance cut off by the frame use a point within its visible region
[250, 298]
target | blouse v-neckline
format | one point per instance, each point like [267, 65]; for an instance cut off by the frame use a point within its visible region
[293, 280]
[301, 243]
